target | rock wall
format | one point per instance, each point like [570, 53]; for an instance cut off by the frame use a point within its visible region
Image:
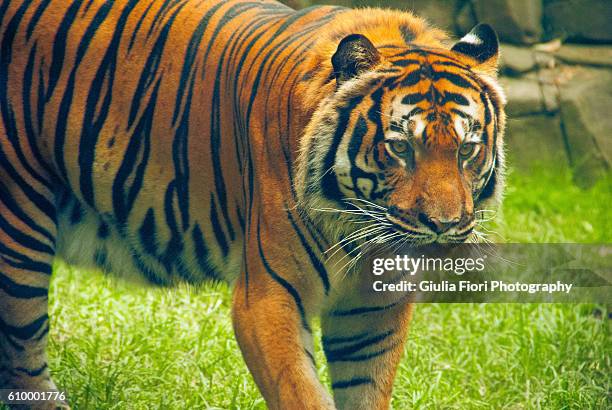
[559, 102]
[556, 69]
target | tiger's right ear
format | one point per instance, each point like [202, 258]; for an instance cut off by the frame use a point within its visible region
[355, 55]
[482, 45]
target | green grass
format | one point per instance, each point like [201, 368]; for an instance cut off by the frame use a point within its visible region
[114, 346]
[547, 208]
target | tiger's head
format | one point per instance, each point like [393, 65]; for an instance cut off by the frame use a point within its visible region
[410, 139]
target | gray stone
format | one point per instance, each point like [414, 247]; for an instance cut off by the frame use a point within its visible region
[524, 96]
[516, 60]
[544, 60]
[578, 19]
[516, 21]
[597, 56]
[532, 93]
[534, 140]
[549, 90]
[587, 121]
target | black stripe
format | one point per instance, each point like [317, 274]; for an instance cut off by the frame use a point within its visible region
[487, 117]
[149, 274]
[138, 25]
[19, 291]
[413, 98]
[366, 356]
[356, 381]
[66, 102]
[406, 62]
[316, 262]
[281, 281]
[462, 114]
[362, 310]
[24, 332]
[36, 17]
[3, 8]
[148, 233]
[130, 177]
[31, 136]
[217, 230]
[151, 67]
[202, 252]
[33, 372]
[215, 115]
[237, 40]
[161, 13]
[190, 57]
[9, 202]
[457, 79]
[215, 139]
[59, 47]
[423, 51]
[97, 106]
[311, 357]
[42, 334]
[32, 266]
[354, 147]
[8, 115]
[77, 213]
[39, 200]
[170, 257]
[24, 239]
[343, 339]
[329, 181]
[344, 352]
[16, 255]
[453, 97]
[103, 230]
[410, 79]
[180, 159]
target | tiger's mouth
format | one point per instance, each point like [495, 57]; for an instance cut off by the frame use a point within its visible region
[380, 225]
[424, 235]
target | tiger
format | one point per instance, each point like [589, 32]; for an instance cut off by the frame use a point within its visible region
[183, 141]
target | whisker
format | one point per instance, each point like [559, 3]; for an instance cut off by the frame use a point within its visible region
[376, 240]
[355, 235]
[365, 201]
[320, 177]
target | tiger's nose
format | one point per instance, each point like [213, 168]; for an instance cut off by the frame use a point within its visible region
[438, 225]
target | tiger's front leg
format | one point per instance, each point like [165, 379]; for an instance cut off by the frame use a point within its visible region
[270, 305]
[27, 248]
[363, 340]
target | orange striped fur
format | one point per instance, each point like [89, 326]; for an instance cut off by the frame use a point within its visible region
[243, 141]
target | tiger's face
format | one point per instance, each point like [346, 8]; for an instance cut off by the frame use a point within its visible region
[412, 139]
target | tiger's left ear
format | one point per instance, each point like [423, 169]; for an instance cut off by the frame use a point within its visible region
[482, 45]
[355, 55]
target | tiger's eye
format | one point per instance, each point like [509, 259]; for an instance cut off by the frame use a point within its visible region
[399, 147]
[467, 150]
